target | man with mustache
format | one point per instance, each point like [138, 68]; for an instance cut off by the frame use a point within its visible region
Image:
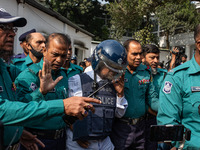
[35, 43]
[18, 113]
[151, 58]
[129, 131]
[27, 84]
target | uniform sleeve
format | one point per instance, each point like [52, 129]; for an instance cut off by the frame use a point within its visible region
[153, 97]
[24, 114]
[27, 87]
[170, 100]
[121, 106]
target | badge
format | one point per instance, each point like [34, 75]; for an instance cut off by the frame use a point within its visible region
[1, 89]
[144, 81]
[167, 87]
[195, 88]
[125, 80]
[33, 86]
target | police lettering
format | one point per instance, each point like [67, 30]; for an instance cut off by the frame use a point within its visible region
[107, 100]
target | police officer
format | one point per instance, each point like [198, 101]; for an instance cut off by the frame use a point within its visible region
[129, 131]
[17, 113]
[151, 58]
[35, 43]
[50, 132]
[71, 69]
[179, 96]
[108, 62]
[73, 59]
[23, 44]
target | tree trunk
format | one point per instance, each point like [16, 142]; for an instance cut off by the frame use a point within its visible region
[167, 39]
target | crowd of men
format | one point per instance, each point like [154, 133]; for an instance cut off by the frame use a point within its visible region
[48, 102]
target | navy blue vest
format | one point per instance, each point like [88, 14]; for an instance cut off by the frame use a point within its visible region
[98, 125]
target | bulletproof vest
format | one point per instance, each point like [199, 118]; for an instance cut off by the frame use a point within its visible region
[96, 125]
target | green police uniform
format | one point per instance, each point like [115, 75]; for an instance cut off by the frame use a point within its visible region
[17, 113]
[180, 100]
[73, 70]
[158, 78]
[18, 65]
[138, 87]
[7, 92]
[28, 83]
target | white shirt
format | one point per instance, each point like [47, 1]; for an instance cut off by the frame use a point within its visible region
[87, 69]
[75, 89]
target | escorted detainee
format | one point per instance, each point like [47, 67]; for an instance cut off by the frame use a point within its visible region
[108, 65]
[18, 113]
[180, 97]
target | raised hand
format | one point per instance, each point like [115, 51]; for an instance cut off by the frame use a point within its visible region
[46, 81]
[119, 86]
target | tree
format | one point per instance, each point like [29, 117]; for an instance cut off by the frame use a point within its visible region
[135, 15]
[89, 15]
[177, 15]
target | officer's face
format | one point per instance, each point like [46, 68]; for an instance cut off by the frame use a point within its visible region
[152, 59]
[37, 42]
[134, 54]
[7, 35]
[69, 53]
[56, 53]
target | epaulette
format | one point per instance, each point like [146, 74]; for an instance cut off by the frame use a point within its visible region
[17, 60]
[34, 68]
[161, 70]
[179, 68]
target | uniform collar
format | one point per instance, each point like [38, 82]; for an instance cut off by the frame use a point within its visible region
[71, 66]
[139, 68]
[28, 60]
[193, 66]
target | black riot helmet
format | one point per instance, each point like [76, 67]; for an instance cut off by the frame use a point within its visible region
[112, 55]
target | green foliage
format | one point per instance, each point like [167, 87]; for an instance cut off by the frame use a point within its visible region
[86, 13]
[173, 15]
[135, 15]
[145, 35]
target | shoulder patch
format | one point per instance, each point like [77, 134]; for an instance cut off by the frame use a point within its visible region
[167, 87]
[33, 86]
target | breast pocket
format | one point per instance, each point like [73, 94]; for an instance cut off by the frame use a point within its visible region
[195, 108]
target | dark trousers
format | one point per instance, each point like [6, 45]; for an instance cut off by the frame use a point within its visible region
[150, 120]
[128, 137]
[58, 144]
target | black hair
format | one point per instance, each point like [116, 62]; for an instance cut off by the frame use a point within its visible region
[184, 55]
[150, 48]
[127, 42]
[82, 63]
